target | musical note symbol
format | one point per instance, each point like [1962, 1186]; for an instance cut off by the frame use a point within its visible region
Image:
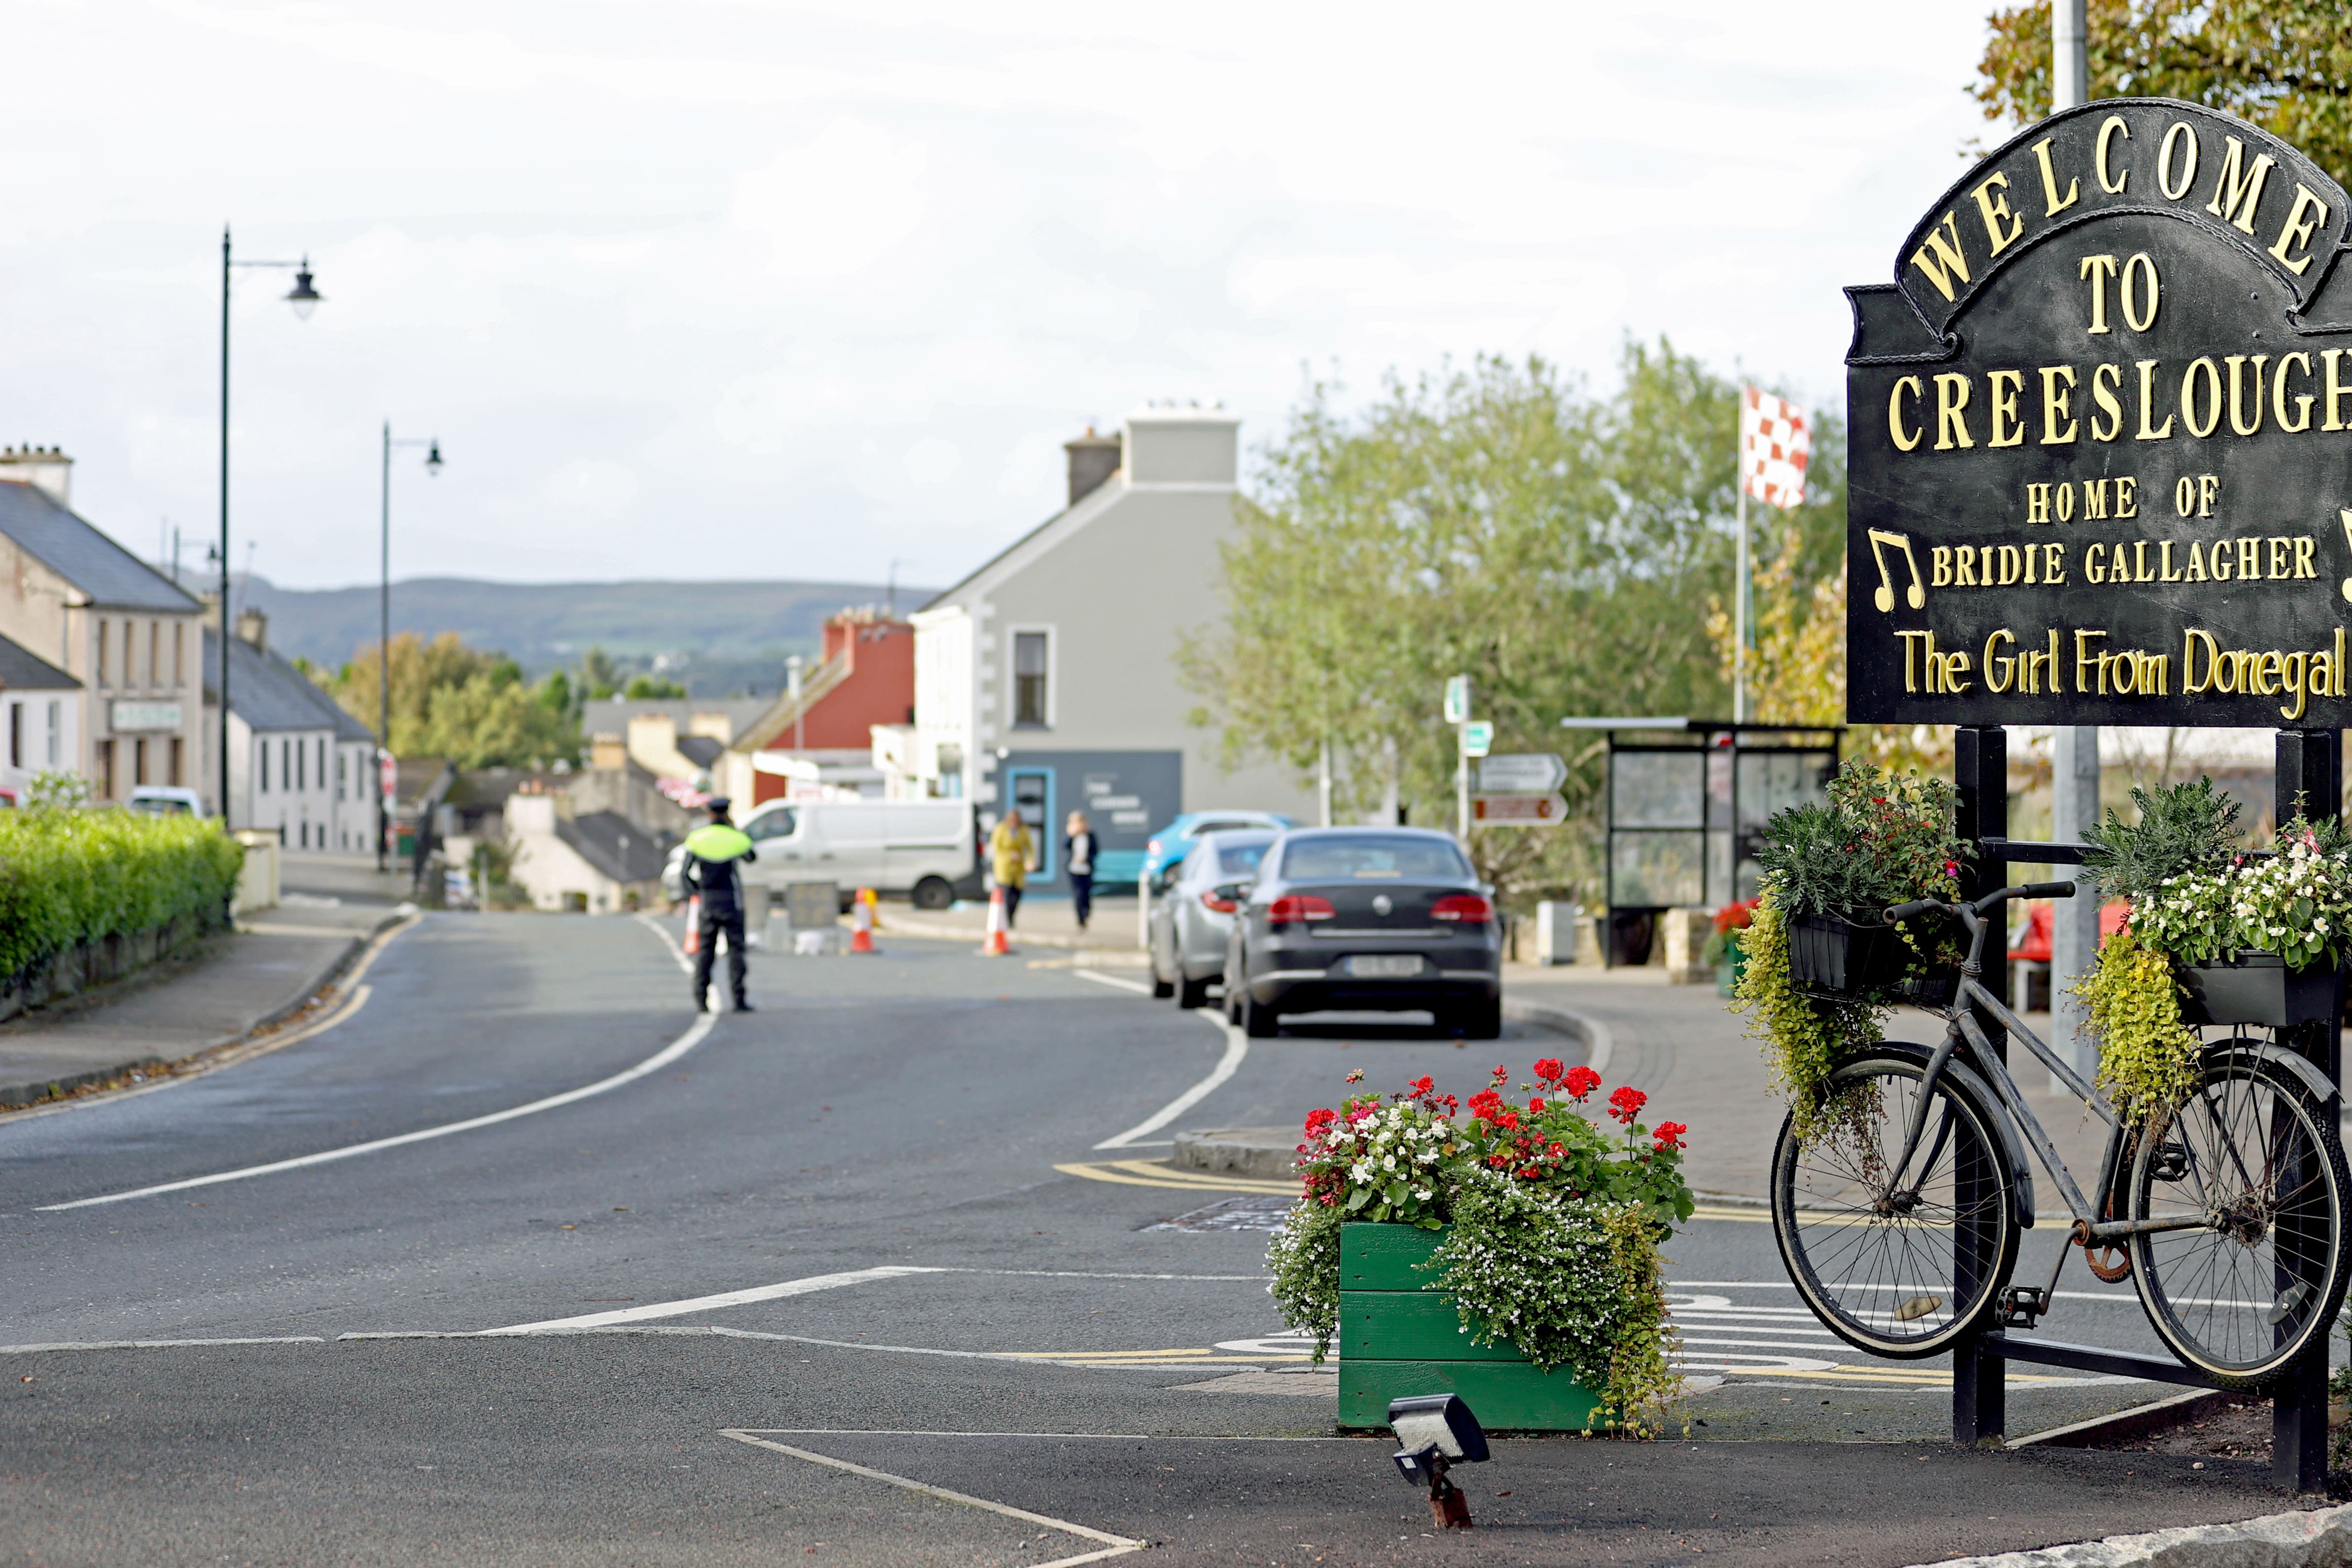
[1918, 596]
[2344, 515]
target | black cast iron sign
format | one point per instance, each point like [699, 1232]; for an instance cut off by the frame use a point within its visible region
[2100, 434]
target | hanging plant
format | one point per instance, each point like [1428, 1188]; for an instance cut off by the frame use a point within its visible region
[1803, 1035]
[2148, 1056]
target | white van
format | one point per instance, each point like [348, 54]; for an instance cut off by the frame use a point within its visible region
[924, 850]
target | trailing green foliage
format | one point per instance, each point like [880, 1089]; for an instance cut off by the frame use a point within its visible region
[1305, 1257]
[1803, 1036]
[68, 877]
[2148, 1056]
[1882, 838]
[2181, 828]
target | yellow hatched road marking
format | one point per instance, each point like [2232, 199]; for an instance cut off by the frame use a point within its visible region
[1151, 1173]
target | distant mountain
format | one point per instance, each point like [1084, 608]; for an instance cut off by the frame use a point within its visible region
[717, 637]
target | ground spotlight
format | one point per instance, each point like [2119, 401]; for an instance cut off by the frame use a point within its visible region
[1437, 1430]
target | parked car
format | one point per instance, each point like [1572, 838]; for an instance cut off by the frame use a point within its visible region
[926, 851]
[1192, 913]
[1174, 842]
[1385, 919]
[165, 800]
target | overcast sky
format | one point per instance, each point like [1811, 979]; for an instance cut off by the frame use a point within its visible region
[702, 288]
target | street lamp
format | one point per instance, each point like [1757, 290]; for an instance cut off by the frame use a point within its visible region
[383, 613]
[304, 299]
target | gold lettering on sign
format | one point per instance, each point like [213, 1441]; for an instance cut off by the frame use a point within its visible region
[2209, 490]
[1948, 261]
[2037, 503]
[2141, 262]
[2297, 230]
[2345, 519]
[2104, 381]
[2086, 661]
[2095, 564]
[2097, 270]
[2107, 128]
[2165, 573]
[1939, 561]
[2095, 501]
[2337, 390]
[1994, 208]
[2040, 669]
[2054, 570]
[2221, 561]
[2303, 401]
[2238, 190]
[2196, 563]
[2184, 497]
[2212, 374]
[2180, 127]
[2057, 405]
[1904, 442]
[2067, 502]
[2052, 203]
[2237, 363]
[2147, 430]
[2003, 387]
[1999, 670]
[1951, 411]
[2126, 498]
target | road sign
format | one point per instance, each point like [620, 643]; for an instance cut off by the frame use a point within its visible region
[1544, 811]
[1523, 771]
[1478, 737]
[1457, 699]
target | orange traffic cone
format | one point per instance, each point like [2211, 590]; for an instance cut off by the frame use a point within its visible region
[861, 921]
[694, 925]
[995, 945]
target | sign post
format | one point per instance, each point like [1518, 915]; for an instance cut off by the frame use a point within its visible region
[2101, 461]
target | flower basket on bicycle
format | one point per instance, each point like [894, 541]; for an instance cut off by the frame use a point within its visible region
[2256, 988]
[1831, 955]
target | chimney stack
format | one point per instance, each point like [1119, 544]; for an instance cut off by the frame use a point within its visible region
[42, 467]
[253, 626]
[1093, 460]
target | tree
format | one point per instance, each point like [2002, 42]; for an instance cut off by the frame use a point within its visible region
[469, 705]
[1496, 521]
[2282, 65]
[599, 676]
[643, 688]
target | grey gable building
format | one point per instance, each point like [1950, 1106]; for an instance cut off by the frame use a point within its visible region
[298, 764]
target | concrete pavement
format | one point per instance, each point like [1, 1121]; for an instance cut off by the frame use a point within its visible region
[208, 997]
[902, 1208]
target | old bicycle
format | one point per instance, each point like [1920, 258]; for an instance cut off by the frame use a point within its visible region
[1899, 1205]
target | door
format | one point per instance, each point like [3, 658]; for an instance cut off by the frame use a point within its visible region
[1032, 796]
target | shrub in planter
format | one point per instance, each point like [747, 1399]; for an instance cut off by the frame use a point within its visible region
[1822, 964]
[1546, 1229]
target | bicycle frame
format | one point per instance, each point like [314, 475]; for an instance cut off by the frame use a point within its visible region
[1962, 1027]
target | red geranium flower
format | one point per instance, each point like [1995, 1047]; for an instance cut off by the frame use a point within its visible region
[1549, 1069]
[1582, 1081]
[1669, 1136]
[1626, 1104]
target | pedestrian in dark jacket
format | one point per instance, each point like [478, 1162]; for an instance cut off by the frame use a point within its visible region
[715, 855]
[1079, 847]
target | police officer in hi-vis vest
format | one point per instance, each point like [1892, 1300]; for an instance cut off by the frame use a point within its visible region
[715, 853]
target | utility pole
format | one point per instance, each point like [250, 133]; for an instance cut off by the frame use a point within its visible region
[2073, 749]
[1457, 714]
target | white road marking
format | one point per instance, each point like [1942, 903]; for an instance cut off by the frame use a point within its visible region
[1121, 981]
[1236, 1053]
[1118, 1545]
[654, 1063]
[154, 1343]
[802, 1287]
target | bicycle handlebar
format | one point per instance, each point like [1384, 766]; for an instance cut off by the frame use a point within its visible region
[1984, 905]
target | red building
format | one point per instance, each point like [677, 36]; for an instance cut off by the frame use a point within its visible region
[867, 677]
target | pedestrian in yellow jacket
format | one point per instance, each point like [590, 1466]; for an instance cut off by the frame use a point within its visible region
[1012, 856]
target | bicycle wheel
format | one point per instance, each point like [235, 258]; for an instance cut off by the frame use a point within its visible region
[2239, 1297]
[1897, 1268]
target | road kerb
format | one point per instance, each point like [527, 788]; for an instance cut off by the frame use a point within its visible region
[2319, 1539]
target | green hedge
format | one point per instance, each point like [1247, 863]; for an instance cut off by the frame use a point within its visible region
[69, 877]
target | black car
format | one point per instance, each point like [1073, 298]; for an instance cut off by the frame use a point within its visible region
[1386, 919]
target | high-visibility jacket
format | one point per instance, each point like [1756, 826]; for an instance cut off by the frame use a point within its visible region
[714, 851]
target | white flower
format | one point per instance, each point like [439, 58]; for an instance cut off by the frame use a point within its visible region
[1360, 1171]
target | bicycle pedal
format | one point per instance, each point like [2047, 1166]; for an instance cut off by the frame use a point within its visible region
[2020, 1305]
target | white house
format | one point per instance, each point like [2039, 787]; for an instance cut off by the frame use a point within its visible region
[298, 764]
[595, 862]
[123, 630]
[1047, 677]
[41, 708]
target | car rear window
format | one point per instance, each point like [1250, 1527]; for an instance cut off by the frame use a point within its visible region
[1235, 858]
[1337, 859]
[1200, 828]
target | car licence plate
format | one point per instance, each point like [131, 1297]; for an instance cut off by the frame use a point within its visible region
[1384, 966]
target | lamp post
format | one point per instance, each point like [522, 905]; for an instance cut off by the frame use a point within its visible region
[305, 300]
[432, 445]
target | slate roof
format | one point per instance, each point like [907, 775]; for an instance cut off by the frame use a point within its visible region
[22, 670]
[112, 577]
[615, 846]
[703, 750]
[271, 695]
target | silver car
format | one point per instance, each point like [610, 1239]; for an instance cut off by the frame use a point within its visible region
[1192, 912]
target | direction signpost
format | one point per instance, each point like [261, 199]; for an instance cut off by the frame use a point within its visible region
[1522, 772]
[1477, 736]
[2098, 477]
[1547, 810]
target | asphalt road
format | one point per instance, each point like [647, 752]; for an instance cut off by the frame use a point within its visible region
[872, 1222]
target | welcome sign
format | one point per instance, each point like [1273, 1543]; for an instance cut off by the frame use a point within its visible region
[2100, 436]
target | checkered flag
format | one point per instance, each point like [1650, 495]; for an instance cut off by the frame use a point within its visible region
[1774, 444]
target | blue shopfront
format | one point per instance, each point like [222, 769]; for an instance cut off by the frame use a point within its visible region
[1125, 795]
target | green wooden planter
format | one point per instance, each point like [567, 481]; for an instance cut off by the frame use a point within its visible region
[1731, 966]
[1399, 1335]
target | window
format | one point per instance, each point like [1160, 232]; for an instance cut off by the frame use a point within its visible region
[104, 751]
[104, 631]
[301, 767]
[179, 652]
[343, 775]
[139, 760]
[1029, 677]
[261, 758]
[16, 735]
[323, 772]
[179, 759]
[780, 823]
[154, 653]
[1334, 859]
[57, 731]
